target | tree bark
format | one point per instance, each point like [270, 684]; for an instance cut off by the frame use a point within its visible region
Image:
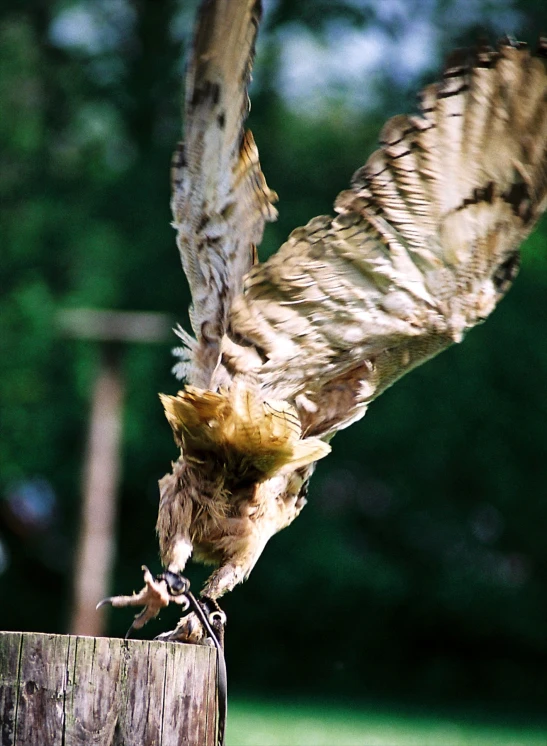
[62, 690]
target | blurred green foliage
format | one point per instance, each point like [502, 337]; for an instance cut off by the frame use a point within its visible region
[419, 567]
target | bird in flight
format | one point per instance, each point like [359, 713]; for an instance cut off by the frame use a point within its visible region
[422, 247]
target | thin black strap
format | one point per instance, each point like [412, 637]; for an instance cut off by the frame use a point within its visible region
[222, 676]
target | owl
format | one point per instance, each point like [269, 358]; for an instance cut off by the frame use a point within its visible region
[420, 249]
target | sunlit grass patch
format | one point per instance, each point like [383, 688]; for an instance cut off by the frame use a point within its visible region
[282, 724]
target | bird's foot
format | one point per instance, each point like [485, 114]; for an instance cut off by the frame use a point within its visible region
[191, 628]
[158, 592]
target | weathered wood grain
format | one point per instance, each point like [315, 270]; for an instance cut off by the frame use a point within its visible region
[10, 653]
[61, 690]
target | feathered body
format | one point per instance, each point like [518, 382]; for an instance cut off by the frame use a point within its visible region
[238, 480]
[423, 246]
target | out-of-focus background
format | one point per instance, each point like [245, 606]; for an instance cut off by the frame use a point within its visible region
[417, 574]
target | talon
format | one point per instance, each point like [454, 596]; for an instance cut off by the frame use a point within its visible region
[105, 601]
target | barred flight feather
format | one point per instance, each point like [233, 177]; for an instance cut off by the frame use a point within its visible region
[220, 198]
[415, 251]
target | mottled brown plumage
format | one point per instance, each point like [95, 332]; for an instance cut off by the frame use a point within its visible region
[423, 246]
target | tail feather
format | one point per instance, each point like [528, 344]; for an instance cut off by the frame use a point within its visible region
[252, 438]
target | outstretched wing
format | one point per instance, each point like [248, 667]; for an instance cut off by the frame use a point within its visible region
[220, 198]
[424, 244]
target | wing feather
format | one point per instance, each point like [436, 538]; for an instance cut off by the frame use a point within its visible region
[424, 244]
[220, 198]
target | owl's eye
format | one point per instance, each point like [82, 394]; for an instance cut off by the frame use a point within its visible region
[505, 274]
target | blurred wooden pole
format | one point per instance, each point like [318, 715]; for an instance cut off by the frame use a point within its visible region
[96, 544]
[59, 690]
[96, 547]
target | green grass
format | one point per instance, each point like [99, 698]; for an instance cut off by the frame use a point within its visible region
[282, 724]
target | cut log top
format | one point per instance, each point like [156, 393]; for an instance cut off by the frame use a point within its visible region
[62, 690]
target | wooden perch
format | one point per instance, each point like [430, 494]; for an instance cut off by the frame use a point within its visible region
[62, 690]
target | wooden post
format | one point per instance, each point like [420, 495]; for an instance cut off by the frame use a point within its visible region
[95, 555]
[62, 690]
[95, 550]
